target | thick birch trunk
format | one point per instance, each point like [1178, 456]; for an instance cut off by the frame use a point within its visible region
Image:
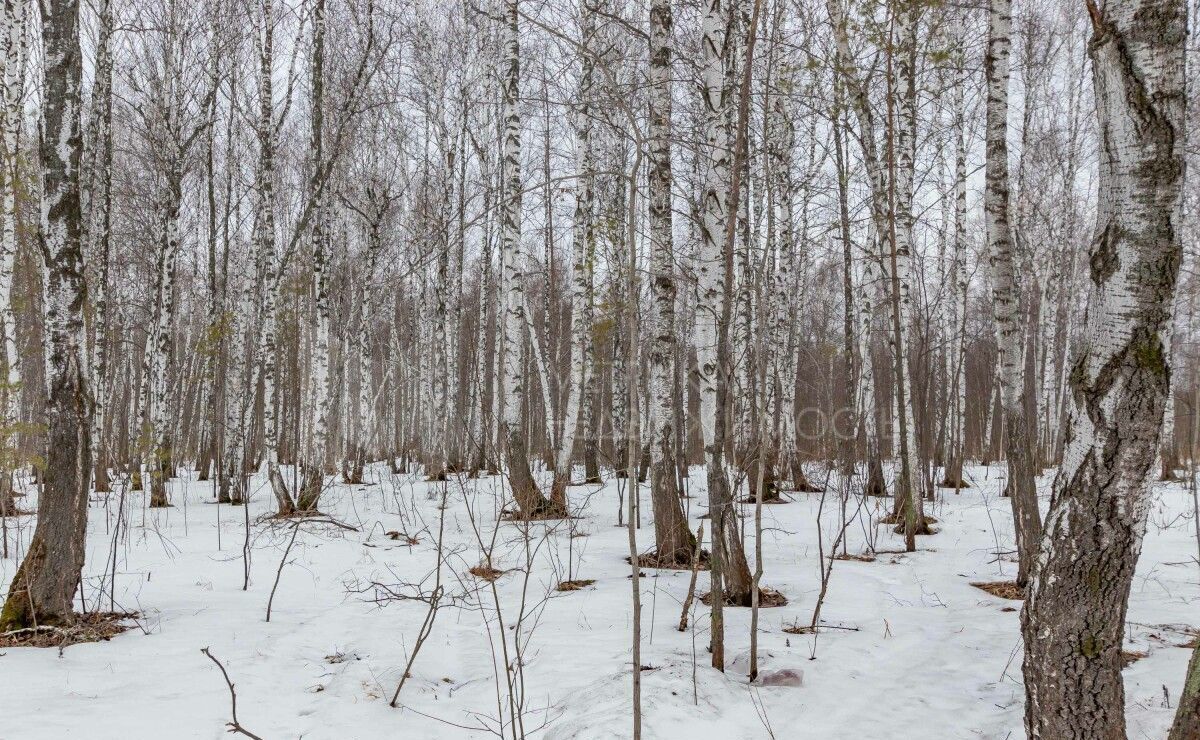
[43, 587]
[1074, 617]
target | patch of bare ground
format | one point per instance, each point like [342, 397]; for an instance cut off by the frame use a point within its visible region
[408, 539]
[651, 560]
[892, 519]
[578, 585]
[550, 513]
[1002, 589]
[1129, 657]
[767, 598]
[308, 516]
[865, 557]
[91, 627]
[486, 572]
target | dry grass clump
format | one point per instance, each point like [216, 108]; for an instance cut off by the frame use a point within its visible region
[767, 598]
[91, 627]
[865, 557]
[1002, 589]
[1129, 657]
[486, 572]
[407, 538]
[575, 585]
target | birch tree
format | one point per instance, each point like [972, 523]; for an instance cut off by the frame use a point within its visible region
[317, 455]
[266, 242]
[583, 249]
[1006, 298]
[673, 541]
[515, 325]
[44, 585]
[1073, 620]
[14, 37]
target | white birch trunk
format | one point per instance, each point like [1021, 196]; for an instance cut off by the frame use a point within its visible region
[1006, 296]
[14, 36]
[515, 324]
[1073, 621]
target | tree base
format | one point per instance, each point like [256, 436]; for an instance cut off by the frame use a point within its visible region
[767, 500]
[767, 598]
[681, 561]
[541, 513]
[90, 627]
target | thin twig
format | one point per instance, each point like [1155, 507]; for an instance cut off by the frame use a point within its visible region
[691, 592]
[233, 726]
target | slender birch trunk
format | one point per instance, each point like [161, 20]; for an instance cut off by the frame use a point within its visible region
[317, 457]
[958, 277]
[267, 251]
[156, 420]
[14, 36]
[673, 542]
[583, 261]
[712, 291]
[731, 578]
[911, 485]
[1006, 298]
[515, 326]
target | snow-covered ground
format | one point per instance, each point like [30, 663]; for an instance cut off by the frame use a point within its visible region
[923, 653]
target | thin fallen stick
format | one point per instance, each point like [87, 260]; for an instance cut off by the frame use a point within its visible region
[233, 726]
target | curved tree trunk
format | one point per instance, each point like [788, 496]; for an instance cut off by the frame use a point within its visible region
[1074, 617]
